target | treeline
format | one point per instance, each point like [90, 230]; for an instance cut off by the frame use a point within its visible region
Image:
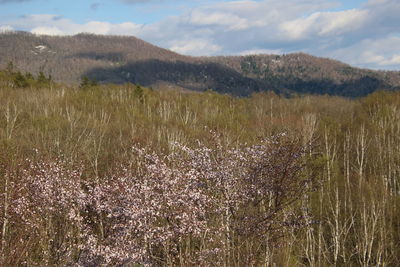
[14, 78]
[123, 175]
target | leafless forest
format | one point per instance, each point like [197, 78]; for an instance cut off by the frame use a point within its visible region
[122, 175]
[119, 59]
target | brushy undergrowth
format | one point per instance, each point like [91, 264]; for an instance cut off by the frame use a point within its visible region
[124, 175]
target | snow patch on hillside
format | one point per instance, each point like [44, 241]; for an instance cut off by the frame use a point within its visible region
[41, 48]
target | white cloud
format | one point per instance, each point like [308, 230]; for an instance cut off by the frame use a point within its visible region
[233, 27]
[342, 22]
[325, 23]
[6, 28]
[38, 24]
[199, 47]
[365, 36]
[393, 60]
[230, 21]
[380, 53]
[298, 29]
[47, 31]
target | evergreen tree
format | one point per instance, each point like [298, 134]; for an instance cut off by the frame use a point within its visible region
[139, 93]
[20, 80]
[10, 67]
[42, 78]
[86, 82]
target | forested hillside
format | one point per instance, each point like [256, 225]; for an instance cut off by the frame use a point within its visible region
[117, 59]
[302, 73]
[68, 58]
[116, 175]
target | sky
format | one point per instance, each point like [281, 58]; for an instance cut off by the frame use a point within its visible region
[363, 33]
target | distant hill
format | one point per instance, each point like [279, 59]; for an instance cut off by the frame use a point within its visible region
[117, 59]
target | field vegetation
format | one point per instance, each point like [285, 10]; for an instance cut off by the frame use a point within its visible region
[122, 175]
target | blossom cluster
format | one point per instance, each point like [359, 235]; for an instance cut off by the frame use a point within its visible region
[193, 206]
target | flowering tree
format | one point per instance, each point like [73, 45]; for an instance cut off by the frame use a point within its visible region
[42, 206]
[195, 206]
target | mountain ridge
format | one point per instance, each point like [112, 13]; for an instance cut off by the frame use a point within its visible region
[121, 59]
